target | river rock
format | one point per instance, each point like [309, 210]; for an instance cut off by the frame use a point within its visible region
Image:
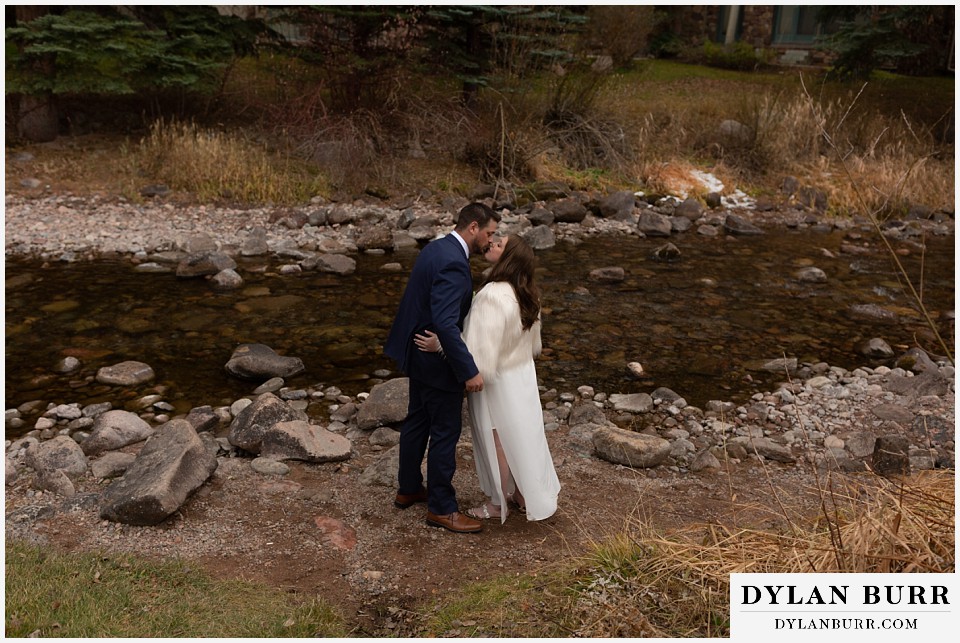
[668, 253]
[255, 243]
[250, 425]
[300, 440]
[812, 275]
[260, 362]
[653, 224]
[568, 211]
[891, 455]
[761, 446]
[540, 216]
[129, 373]
[203, 418]
[636, 450]
[67, 365]
[114, 430]
[609, 275]
[205, 263]
[540, 237]
[383, 471]
[875, 348]
[631, 402]
[336, 263]
[385, 436]
[269, 467]
[618, 205]
[57, 482]
[705, 460]
[170, 467]
[60, 452]
[737, 225]
[111, 464]
[690, 209]
[10, 471]
[386, 404]
[227, 280]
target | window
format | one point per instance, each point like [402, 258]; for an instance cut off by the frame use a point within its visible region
[798, 24]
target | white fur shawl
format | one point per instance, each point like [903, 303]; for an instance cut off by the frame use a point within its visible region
[494, 334]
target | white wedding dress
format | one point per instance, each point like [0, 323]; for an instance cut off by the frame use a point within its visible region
[509, 403]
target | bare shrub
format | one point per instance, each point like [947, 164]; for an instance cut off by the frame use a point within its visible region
[620, 31]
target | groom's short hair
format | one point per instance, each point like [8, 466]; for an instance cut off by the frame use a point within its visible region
[479, 212]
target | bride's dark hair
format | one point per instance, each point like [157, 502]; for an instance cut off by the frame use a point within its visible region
[516, 266]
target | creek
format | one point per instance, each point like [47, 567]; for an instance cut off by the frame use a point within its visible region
[701, 326]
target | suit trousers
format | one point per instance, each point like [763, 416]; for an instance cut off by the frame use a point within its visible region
[434, 418]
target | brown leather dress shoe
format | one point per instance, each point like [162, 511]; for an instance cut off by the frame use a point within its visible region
[458, 522]
[404, 500]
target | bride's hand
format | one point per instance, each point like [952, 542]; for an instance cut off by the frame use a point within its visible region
[427, 342]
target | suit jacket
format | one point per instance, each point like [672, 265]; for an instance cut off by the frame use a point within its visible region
[437, 298]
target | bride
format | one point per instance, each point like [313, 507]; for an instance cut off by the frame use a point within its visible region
[502, 332]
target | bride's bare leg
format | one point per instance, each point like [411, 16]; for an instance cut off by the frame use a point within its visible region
[505, 472]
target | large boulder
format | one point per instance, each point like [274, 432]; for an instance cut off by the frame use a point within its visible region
[629, 448]
[252, 423]
[300, 440]
[170, 467]
[114, 430]
[260, 362]
[618, 205]
[387, 404]
[61, 453]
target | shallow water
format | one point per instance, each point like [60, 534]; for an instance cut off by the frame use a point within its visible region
[699, 326]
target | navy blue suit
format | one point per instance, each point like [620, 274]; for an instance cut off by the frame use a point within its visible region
[437, 298]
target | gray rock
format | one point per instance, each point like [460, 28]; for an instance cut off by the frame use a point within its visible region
[764, 447]
[129, 373]
[586, 413]
[386, 404]
[300, 440]
[860, 444]
[385, 436]
[540, 237]
[876, 348]
[375, 238]
[205, 263]
[707, 231]
[653, 224]
[632, 402]
[917, 360]
[227, 280]
[609, 275]
[115, 429]
[60, 452]
[170, 467]
[737, 225]
[689, 209]
[255, 243]
[203, 419]
[713, 200]
[272, 385]
[111, 464]
[679, 224]
[893, 413]
[891, 456]
[618, 205]
[67, 365]
[56, 481]
[540, 216]
[735, 131]
[10, 471]
[568, 211]
[812, 275]
[705, 460]
[336, 263]
[252, 423]
[260, 362]
[199, 243]
[383, 471]
[269, 467]
[344, 413]
[636, 450]
[668, 253]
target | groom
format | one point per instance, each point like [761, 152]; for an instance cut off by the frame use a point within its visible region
[437, 298]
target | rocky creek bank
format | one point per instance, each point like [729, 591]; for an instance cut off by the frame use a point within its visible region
[296, 483]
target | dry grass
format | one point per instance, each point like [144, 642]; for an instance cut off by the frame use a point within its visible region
[651, 584]
[214, 165]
